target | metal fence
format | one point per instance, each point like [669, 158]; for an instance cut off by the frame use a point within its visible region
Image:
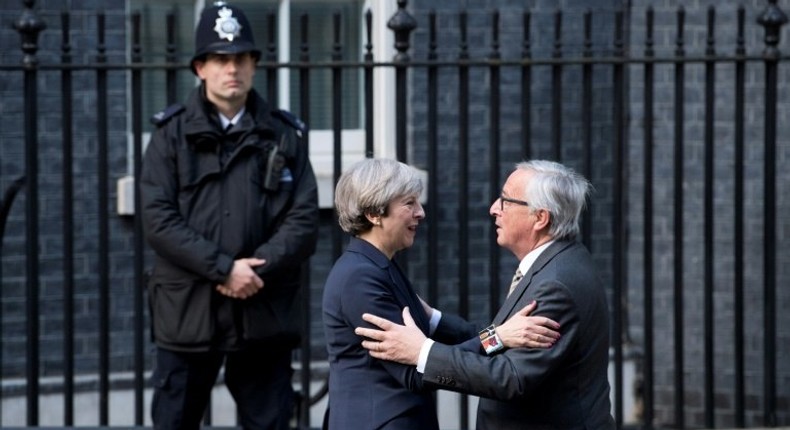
[610, 81]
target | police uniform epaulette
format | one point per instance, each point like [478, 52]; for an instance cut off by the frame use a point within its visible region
[291, 119]
[161, 117]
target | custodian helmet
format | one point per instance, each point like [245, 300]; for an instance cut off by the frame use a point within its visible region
[223, 29]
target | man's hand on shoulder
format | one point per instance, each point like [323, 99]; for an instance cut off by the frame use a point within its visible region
[394, 342]
[242, 282]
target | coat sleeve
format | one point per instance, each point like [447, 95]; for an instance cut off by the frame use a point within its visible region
[515, 372]
[166, 229]
[296, 234]
[453, 329]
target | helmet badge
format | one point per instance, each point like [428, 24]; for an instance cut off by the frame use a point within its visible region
[227, 27]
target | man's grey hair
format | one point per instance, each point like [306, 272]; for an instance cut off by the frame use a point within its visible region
[559, 190]
[368, 187]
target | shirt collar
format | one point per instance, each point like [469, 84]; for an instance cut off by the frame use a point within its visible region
[224, 121]
[533, 255]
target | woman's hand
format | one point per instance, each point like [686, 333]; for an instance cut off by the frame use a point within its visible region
[522, 330]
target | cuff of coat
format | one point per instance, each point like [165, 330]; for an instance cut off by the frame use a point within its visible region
[224, 267]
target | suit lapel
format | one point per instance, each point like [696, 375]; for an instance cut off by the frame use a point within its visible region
[508, 307]
[406, 294]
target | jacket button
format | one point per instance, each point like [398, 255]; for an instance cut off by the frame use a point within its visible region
[227, 213]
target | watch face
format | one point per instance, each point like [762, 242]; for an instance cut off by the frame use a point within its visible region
[490, 341]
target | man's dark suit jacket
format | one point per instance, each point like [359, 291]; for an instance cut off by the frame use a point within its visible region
[364, 392]
[563, 387]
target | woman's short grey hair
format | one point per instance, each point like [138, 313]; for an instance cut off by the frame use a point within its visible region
[559, 190]
[368, 187]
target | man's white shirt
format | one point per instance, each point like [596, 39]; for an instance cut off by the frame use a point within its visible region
[225, 121]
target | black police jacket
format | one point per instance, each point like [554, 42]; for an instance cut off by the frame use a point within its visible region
[209, 198]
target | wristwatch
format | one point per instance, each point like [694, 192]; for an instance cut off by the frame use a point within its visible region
[490, 340]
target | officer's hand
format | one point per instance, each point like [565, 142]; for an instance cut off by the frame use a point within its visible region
[242, 282]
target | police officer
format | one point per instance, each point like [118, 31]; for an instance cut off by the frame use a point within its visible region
[230, 209]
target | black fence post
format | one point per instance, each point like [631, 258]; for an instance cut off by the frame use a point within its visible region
[103, 247]
[495, 71]
[271, 58]
[739, 207]
[556, 90]
[368, 68]
[678, 223]
[303, 419]
[618, 215]
[137, 166]
[337, 128]
[526, 88]
[587, 125]
[709, 217]
[772, 19]
[464, 186]
[647, 386]
[67, 176]
[29, 25]
[402, 24]
[171, 56]
[433, 160]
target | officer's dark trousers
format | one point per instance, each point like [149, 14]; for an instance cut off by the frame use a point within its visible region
[259, 382]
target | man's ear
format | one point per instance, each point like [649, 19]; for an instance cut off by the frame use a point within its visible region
[197, 66]
[542, 219]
